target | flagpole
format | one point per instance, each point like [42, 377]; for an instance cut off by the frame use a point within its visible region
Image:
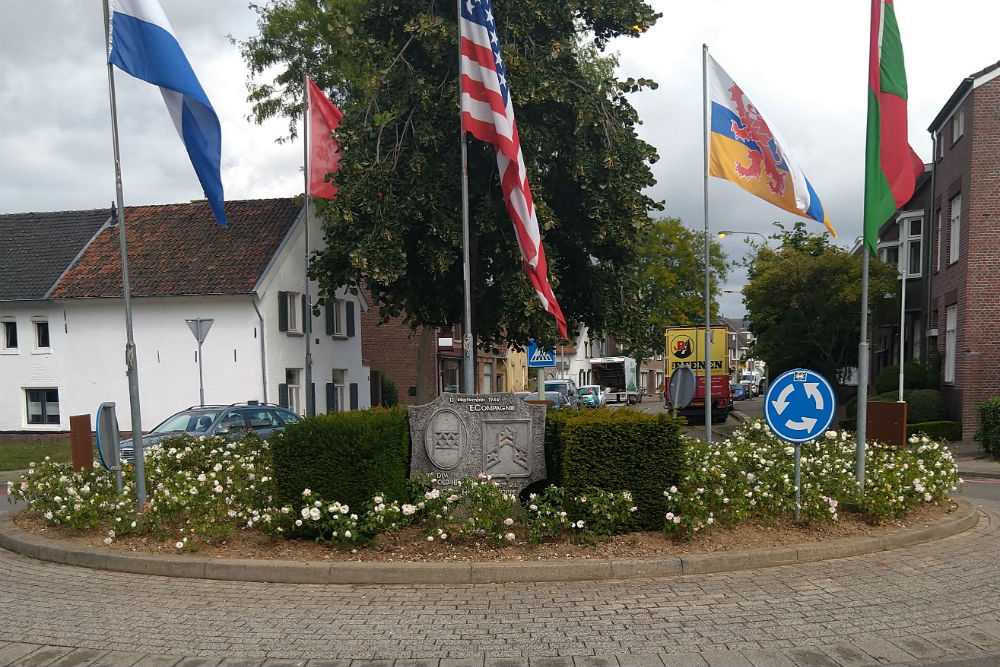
[862, 425]
[131, 363]
[307, 316]
[468, 354]
[708, 266]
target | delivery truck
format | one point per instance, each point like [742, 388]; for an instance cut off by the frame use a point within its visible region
[616, 376]
[686, 347]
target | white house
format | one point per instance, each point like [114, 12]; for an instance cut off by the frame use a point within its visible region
[62, 315]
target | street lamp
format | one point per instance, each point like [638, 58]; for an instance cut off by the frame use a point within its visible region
[724, 234]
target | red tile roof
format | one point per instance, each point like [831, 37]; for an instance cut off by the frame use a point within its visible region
[178, 249]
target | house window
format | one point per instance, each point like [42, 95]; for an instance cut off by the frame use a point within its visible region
[889, 254]
[337, 317]
[957, 125]
[291, 312]
[338, 404]
[293, 382]
[41, 334]
[956, 228]
[499, 382]
[940, 241]
[950, 341]
[911, 231]
[487, 378]
[8, 336]
[42, 405]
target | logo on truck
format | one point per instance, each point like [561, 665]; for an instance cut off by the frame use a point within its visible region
[683, 347]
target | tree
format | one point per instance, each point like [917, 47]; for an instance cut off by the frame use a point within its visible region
[396, 224]
[804, 303]
[668, 286]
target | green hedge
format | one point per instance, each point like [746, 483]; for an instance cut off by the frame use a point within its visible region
[922, 405]
[937, 430]
[915, 376]
[343, 456]
[623, 450]
[989, 431]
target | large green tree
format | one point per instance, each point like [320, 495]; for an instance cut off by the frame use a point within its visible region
[391, 66]
[803, 301]
[667, 287]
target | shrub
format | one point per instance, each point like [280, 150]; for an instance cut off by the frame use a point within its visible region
[989, 431]
[936, 430]
[623, 450]
[751, 477]
[915, 376]
[922, 405]
[390, 395]
[345, 456]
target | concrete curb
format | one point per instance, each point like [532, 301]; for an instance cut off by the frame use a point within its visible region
[14, 539]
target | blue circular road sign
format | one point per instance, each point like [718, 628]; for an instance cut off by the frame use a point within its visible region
[799, 405]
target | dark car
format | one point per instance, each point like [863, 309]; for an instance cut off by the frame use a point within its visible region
[208, 420]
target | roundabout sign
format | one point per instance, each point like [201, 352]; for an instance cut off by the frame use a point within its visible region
[799, 405]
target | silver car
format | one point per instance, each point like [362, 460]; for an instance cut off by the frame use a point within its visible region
[208, 420]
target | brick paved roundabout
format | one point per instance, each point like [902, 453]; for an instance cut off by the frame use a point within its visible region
[935, 601]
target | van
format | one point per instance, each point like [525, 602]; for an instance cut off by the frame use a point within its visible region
[751, 381]
[567, 388]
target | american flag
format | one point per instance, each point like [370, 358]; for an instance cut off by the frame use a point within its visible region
[487, 112]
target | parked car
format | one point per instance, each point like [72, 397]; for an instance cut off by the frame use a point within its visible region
[557, 399]
[208, 420]
[597, 391]
[590, 396]
[567, 388]
[738, 391]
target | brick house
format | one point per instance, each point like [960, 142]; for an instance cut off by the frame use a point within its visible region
[965, 245]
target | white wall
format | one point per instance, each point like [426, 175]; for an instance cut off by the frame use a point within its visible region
[86, 360]
[287, 350]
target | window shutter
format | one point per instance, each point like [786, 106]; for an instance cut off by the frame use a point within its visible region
[354, 396]
[331, 398]
[350, 319]
[330, 315]
[283, 395]
[306, 317]
[311, 400]
[283, 313]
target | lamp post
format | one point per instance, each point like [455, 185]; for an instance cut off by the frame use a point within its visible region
[725, 233]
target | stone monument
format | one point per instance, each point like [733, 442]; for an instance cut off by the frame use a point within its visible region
[459, 435]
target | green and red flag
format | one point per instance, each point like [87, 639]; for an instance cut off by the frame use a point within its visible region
[891, 165]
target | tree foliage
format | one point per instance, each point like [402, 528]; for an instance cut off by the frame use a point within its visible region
[804, 303]
[391, 66]
[667, 287]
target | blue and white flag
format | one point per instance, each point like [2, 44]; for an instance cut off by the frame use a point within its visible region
[142, 43]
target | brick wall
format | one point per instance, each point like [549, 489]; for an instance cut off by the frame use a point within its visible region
[970, 166]
[980, 379]
[393, 349]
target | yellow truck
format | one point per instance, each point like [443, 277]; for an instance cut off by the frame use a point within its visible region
[686, 347]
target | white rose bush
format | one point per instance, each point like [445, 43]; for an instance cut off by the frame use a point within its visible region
[750, 476]
[200, 491]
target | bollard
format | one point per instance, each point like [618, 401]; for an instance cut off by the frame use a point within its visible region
[81, 442]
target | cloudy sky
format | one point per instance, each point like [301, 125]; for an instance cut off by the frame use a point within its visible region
[804, 64]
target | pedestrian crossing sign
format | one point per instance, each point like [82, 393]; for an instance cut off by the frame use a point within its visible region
[539, 357]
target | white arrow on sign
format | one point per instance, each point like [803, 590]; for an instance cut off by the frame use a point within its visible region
[806, 424]
[781, 403]
[812, 390]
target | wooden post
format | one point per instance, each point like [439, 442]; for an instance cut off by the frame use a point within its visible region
[81, 442]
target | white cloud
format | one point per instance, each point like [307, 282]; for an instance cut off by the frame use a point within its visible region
[803, 63]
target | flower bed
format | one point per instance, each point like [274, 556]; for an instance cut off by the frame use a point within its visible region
[205, 490]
